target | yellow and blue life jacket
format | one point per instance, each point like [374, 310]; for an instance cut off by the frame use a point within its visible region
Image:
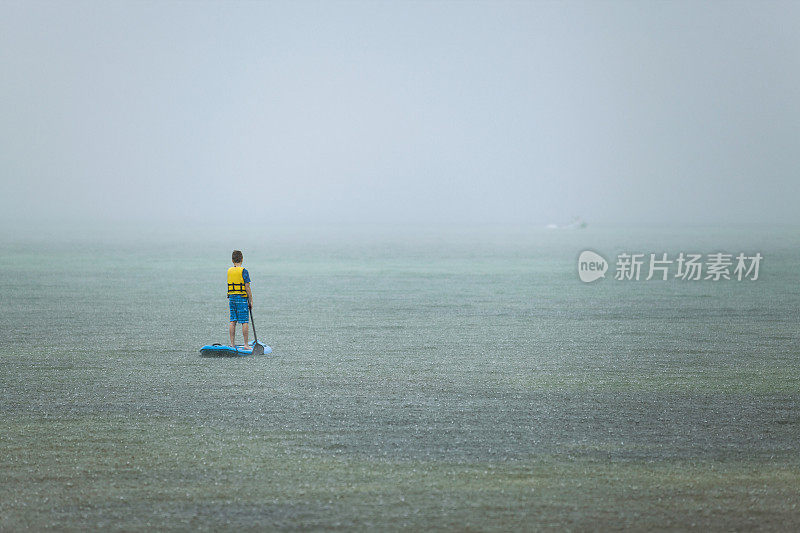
[236, 281]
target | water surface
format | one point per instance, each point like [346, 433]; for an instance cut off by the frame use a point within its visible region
[448, 380]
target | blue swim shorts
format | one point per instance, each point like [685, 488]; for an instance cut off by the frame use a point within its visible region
[239, 311]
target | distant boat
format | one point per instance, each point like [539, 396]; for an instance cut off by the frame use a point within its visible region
[576, 223]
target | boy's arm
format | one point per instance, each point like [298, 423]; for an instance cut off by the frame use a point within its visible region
[249, 294]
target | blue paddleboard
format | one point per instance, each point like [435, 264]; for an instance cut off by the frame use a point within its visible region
[220, 350]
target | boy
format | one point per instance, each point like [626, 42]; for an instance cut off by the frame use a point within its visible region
[240, 299]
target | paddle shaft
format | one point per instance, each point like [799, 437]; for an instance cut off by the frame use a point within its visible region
[252, 321]
[257, 348]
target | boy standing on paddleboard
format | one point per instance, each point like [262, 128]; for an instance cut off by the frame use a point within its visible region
[240, 299]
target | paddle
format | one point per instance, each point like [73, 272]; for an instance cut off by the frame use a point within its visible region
[258, 349]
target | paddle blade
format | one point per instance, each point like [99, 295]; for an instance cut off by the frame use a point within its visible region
[258, 348]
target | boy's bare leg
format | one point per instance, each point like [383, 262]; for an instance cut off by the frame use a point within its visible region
[245, 331]
[232, 332]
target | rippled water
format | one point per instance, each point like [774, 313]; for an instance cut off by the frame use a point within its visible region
[433, 380]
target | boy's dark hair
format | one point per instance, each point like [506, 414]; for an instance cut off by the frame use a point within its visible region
[236, 256]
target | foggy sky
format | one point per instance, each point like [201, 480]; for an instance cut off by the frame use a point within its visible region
[400, 112]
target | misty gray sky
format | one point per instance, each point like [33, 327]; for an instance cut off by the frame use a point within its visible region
[400, 112]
